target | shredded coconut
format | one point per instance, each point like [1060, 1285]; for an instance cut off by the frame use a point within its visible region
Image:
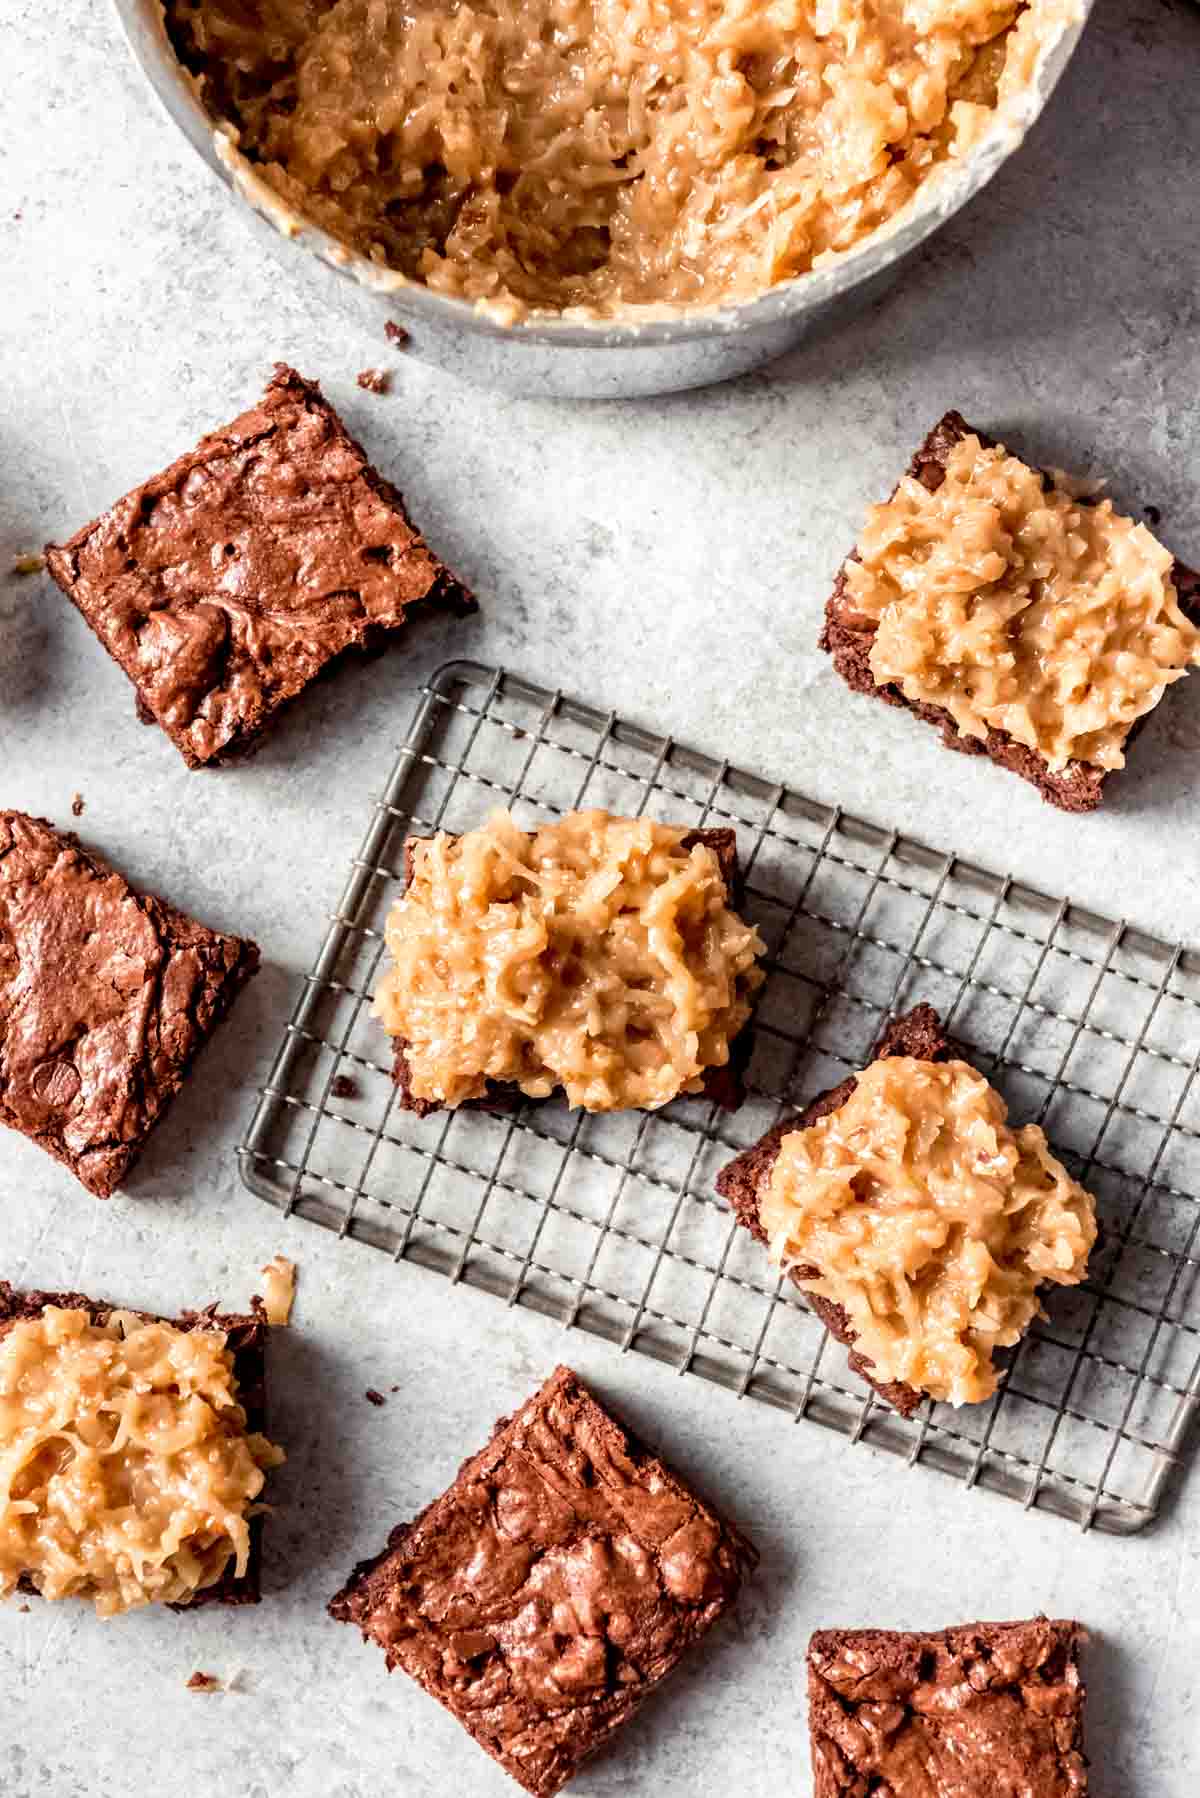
[1014, 606]
[127, 1474]
[932, 1224]
[592, 155]
[598, 954]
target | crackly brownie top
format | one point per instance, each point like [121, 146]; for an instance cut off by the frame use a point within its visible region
[105, 995]
[560, 1577]
[224, 584]
[988, 1710]
[1011, 604]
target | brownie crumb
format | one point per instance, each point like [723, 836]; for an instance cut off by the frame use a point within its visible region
[375, 1398]
[23, 1609]
[345, 1086]
[1153, 513]
[396, 333]
[77, 805]
[374, 380]
[204, 1682]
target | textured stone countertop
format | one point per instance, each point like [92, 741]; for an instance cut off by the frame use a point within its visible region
[668, 559]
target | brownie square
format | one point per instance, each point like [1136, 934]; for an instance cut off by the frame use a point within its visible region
[246, 1336]
[224, 585]
[917, 1033]
[723, 1086]
[985, 1710]
[847, 637]
[106, 998]
[563, 1574]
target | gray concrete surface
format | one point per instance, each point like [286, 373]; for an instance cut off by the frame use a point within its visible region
[666, 558]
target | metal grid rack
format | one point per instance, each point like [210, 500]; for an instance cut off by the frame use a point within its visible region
[610, 1223]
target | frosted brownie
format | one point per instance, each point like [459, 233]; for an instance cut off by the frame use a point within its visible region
[131, 1451]
[1030, 625]
[228, 583]
[107, 996]
[917, 1223]
[602, 956]
[558, 1580]
[986, 1710]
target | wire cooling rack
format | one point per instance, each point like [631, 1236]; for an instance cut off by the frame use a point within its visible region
[611, 1223]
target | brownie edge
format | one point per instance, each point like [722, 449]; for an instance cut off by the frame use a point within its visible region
[848, 637]
[918, 1033]
[561, 1576]
[246, 1336]
[982, 1709]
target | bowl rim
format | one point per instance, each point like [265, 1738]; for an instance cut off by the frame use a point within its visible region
[143, 26]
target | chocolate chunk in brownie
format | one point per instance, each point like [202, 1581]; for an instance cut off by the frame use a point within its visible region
[106, 998]
[246, 1337]
[723, 1086]
[918, 1033]
[229, 582]
[848, 635]
[558, 1580]
[986, 1710]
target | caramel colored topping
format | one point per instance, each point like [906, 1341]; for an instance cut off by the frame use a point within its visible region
[929, 1221]
[279, 1289]
[599, 154]
[597, 954]
[127, 1475]
[1016, 607]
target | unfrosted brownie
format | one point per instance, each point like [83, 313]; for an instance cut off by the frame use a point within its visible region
[246, 1338]
[107, 996]
[849, 636]
[929, 1216]
[723, 1085]
[229, 582]
[558, 1580]
[984, 1710]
